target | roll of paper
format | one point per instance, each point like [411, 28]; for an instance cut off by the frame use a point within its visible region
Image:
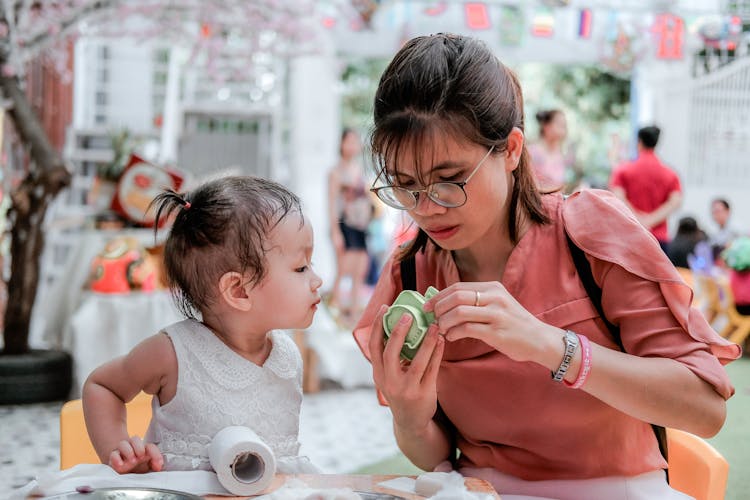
[244, 464]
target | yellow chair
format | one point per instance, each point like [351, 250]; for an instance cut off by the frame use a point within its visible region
[737, 328]
[695, 467]
[75, 446]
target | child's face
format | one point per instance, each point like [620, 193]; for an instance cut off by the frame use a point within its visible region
[288, 295]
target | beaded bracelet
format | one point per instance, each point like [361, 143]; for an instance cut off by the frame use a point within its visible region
[583, 371]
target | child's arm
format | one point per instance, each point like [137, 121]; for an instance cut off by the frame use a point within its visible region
[150, 367]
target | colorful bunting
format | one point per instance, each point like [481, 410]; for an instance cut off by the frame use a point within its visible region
[477, 17]
[436, 8]
[543, 23]
[584, 23]
[511, 25]
[670, 30]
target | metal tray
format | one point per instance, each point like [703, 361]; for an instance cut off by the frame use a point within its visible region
[126, 494]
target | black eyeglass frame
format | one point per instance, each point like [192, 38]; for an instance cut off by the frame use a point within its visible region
[414, 193]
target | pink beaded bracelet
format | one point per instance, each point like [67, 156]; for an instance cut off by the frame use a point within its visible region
[583, 371]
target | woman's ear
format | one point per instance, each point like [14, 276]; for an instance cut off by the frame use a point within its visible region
[514, 149]
[234, 291]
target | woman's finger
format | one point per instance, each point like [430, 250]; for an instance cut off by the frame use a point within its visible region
[429, 379]
[376, 345]
[392, 352]
[478, 331]
[422, 358]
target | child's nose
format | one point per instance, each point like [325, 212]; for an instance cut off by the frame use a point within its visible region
[316, 281]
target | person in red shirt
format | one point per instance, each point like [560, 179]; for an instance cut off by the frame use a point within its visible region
[650, 188]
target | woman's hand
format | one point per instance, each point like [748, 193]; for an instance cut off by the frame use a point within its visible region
[409, 388]
[132, 455]
[487, 312]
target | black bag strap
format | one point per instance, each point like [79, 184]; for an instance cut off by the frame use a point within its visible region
[409, 282]
[595, 294]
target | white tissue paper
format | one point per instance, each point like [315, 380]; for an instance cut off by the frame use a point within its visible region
[244, 464]
[436, 485]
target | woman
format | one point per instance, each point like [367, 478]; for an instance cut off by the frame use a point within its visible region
[512, 313]
[350, 212]
[548, 160]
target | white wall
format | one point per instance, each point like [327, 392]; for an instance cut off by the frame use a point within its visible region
[128, 85]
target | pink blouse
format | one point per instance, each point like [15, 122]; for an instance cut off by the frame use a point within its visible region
[511, 415]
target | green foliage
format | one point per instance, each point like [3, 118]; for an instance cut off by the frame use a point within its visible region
[597, 107]
[737, 255]
[601, 96]
[359, 81]
[123, 145]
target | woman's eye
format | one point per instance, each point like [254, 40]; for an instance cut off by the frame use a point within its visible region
[450, 178]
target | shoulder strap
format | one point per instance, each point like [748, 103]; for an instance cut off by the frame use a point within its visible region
[409, 282]
[583, 267]
[592, 289]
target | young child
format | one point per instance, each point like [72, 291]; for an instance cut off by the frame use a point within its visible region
[238, 260]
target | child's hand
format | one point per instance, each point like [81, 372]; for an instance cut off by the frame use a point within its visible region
[132, 455]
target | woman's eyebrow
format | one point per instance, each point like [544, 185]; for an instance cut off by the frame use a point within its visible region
[446, 165]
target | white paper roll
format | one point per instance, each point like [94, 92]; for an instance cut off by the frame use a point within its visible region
[244, 464]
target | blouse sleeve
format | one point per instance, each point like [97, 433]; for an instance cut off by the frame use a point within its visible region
[385, 292]
[642, 292]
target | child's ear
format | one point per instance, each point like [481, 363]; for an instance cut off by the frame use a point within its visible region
[233, 288]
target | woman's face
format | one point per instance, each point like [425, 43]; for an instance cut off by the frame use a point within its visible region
[451, 160]
[557, 128]
[350, 145]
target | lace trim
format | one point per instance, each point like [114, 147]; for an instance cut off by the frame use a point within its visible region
[191, 450]
[230, 369]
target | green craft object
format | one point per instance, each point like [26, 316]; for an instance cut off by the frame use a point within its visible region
[410, 302]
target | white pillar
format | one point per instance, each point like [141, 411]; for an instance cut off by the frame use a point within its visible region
[314, 115]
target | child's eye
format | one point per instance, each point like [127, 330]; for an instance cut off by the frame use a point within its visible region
[301, 269]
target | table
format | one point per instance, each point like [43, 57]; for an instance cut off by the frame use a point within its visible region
[365, 482]
[96, 327]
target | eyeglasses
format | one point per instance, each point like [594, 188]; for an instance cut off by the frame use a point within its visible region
[446, 194]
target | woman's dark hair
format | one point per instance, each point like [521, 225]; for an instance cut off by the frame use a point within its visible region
[220, 226]
[545, 116]
[453, 84]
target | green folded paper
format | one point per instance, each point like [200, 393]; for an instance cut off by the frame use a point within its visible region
[410, 302]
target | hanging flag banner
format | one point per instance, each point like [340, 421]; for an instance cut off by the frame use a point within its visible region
[477, 16]
[543, 23]
[670, 33]
[436, 8]
[511, 25]
[584, 23]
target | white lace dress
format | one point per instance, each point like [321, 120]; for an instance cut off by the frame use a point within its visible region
[217, 388]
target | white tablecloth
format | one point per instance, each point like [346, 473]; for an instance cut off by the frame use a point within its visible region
[109, 325]
[97, 327]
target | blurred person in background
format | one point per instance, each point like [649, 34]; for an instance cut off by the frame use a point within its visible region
[651, 189]
[720, 213]
[350, 212]
[688, 235]
[550, 163]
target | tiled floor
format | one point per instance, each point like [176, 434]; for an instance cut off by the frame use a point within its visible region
[340, 430]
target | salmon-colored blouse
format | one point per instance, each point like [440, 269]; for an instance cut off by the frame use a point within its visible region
[511, 415]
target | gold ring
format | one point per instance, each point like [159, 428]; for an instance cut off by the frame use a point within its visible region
[476, 299]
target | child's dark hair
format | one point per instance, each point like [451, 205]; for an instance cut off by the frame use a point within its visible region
[220, 226]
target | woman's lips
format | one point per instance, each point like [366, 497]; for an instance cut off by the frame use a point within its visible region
[441, 233]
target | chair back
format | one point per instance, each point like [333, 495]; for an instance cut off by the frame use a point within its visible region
[695, 467]
[75, 446]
